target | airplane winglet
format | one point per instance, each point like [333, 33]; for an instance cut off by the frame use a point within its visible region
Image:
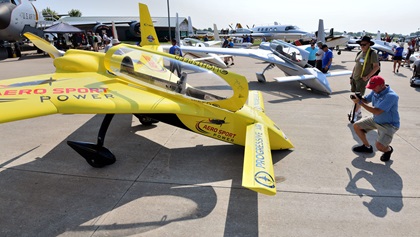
[255, 100]
[258, 171]
[147, 29]
[44, 45]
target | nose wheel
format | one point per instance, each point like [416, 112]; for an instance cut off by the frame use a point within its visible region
[96, 155]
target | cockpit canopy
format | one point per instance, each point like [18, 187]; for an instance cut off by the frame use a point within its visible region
[167, 74]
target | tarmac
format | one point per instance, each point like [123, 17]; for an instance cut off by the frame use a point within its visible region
[171, 182]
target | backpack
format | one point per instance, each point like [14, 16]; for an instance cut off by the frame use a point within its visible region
[370, 54]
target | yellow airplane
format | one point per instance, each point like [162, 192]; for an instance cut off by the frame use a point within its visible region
[136, 80]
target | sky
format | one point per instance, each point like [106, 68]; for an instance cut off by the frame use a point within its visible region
[350, 16]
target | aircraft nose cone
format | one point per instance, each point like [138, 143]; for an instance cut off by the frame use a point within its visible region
[5, 14]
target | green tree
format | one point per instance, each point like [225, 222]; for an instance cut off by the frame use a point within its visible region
[75, 13]
[50, 15]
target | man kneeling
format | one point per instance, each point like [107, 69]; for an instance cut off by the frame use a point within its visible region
[385, 117]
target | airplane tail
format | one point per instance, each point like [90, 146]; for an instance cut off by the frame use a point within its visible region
[147, 30]
[190, 28]
[216, 32]
[177, 32]
[258, 170]
[114, 31]
[44, 45]
[321, 31]
[378, 35]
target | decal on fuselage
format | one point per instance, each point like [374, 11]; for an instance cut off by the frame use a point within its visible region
[208, 128]
[61, 94]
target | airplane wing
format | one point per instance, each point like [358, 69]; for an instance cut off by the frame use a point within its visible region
[90, 93]
[258, 171]
[311, 76]
[259, 54]
[128, 79]
[383, 48]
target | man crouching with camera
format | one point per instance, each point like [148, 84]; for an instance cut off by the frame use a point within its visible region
[385, 117]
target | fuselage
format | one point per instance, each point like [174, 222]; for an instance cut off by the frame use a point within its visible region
[283, 32]
[14, 15]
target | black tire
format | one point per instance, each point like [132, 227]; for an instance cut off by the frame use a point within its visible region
[146, 121]
[18, 50]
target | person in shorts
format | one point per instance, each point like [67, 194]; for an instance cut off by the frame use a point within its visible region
[385, 119]
[366, 66]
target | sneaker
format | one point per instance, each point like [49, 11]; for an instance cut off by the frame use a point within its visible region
[363, 149]
[387, 155]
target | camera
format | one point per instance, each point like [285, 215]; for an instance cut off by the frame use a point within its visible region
[356, 95]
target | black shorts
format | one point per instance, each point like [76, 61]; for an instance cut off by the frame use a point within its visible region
[397, 58]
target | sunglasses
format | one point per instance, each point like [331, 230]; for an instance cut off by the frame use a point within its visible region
[363, 44]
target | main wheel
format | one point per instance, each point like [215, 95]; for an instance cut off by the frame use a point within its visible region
[146, 121]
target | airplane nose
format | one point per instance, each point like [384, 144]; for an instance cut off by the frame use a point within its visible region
[5, 14]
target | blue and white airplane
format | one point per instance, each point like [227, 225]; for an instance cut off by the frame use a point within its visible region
[272, 32]
[292, 60]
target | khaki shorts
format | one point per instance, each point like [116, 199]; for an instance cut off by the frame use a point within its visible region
[385, 131]
[358, 86]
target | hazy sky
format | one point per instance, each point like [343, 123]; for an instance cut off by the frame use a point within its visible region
[351, 16]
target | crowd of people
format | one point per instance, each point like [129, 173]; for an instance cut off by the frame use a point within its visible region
[89, 41]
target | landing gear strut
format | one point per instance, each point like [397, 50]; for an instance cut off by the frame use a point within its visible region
[260, 75]
[96, 154]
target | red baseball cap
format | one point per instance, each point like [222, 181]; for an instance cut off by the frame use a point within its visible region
[375, 81]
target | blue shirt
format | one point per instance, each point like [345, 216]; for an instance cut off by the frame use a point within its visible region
[386, 100]
[176, 50]
[326, 58]
[312, 52]
[399, 51]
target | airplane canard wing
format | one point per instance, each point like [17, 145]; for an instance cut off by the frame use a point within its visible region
[258, 171]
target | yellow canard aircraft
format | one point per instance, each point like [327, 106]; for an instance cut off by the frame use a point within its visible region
[136, 80]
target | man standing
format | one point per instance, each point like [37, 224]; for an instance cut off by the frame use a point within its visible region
[175, 50]
[326, 58]
[312, 51]
[385, 117]
[319, 55]
[367, 64]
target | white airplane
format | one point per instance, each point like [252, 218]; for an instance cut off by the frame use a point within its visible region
[271, 32]
[384, 46]
[14, 17]
[196, 42]
[238, 42]
[292, 60]
[332, 41]
[209, 58]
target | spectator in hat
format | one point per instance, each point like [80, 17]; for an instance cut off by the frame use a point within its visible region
[114, 42]
[367, 66]
[385, 119]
